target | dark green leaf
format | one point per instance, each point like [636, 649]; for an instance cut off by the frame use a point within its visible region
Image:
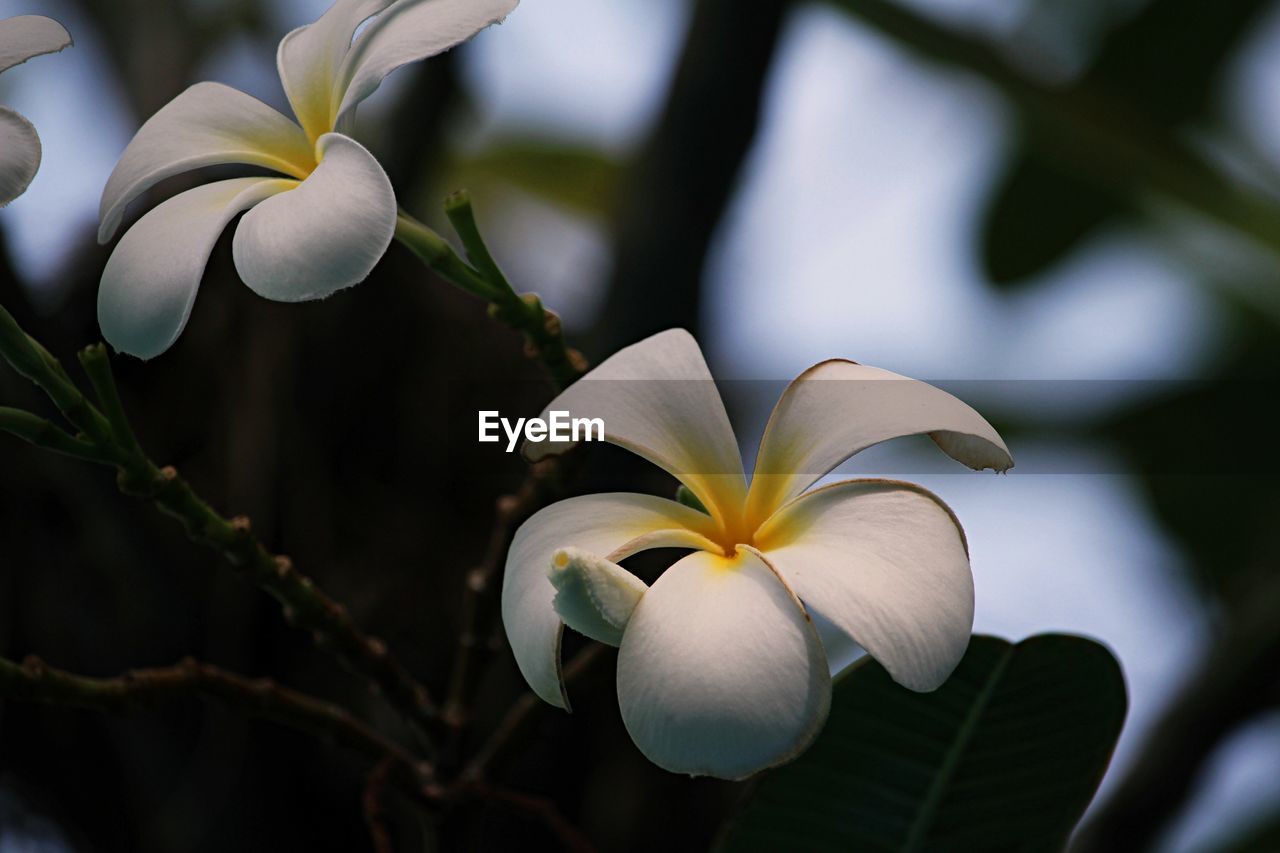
[1005, 756]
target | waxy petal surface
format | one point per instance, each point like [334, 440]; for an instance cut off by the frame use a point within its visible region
[612, 526]
[326, 235]
[885, 562]
[150, 282]
[207, 125]
[721, 672]
[837, 408]
[658, 400]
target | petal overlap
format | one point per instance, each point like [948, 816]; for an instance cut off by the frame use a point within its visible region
[721, 672]
[837, 408]
[207, 125]
[310, 58]
[150, 282]
[658, 400]
[409, 31]
[887, 563]
[327, 234]
[612, 526]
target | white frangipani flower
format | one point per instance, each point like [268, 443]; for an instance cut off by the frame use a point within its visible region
[721, 670]
[21, 38]
[322, 224]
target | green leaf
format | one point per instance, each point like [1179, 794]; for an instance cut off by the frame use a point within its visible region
[1005, 756]
[575, 176]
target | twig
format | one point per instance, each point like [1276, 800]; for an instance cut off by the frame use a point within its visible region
[35, 681]
[304, 605]
[1103, 141]
[520, 715]
[375, 809]
[45, 434]
[524, 313]
[540, 808]
[480, 594]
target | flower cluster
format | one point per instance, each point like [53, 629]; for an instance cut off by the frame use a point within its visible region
[725, 660]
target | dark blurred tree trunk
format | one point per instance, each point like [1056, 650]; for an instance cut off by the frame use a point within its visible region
[683, 178]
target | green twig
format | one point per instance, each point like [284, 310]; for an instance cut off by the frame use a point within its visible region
[524, 313]
[47, 435]
[110, 439]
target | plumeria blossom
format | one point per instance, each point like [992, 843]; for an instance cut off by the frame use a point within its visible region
[722, 669]
[21, 38]
[320, 224]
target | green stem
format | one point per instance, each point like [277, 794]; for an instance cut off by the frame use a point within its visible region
[45, 434]
[523, 313]
[34, 362]
[110, 439]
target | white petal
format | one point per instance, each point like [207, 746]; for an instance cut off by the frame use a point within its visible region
[310, 57]
[658, 400]
[206, 125]
[594, 596]
[406, 32]
[887, 563]
[326, 235]
[151, 279]
[19, 155]
[25, 36]
[837, 408]
[721, 672]
[613, 526]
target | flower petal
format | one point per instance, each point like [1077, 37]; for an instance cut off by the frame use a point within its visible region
[19, 155]
[658, 400]
[326, 235]
[613, 526]
[406, 32]
[837, 408]
[208, 124]
[721, 672]
[310, 57]
[887, 563]
[594, 596]
[151, 279]
[25, 36]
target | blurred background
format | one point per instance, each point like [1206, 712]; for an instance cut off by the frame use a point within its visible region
[1066, 211]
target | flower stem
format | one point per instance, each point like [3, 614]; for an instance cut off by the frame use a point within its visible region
[481, 276]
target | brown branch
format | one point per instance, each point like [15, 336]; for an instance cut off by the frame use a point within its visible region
[375, 809]
[480, 595]
[540, 808]
[520, 716]
[35, 681]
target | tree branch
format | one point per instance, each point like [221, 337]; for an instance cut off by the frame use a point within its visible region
[35, 681]
[305, 606]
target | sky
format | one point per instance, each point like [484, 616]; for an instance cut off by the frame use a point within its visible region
[853, 236]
